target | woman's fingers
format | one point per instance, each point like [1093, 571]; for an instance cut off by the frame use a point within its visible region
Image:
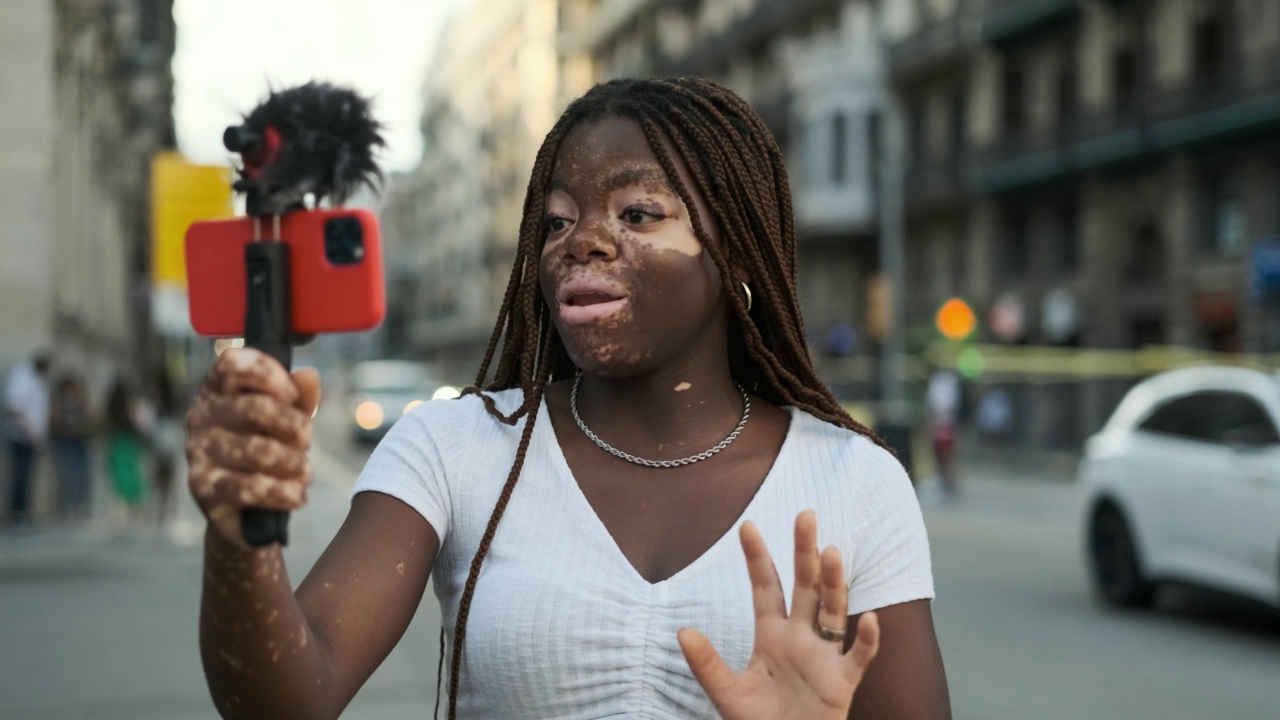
[248, 370]
[709, 669]
[250, 413]
[804, 596]
[216, 486]
[865, 647]
[253, 454]
[766, 590]
[832, 592]
[247, 438]
[225, 495]
[307, 381]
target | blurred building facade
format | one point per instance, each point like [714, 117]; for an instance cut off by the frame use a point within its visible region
[26, 166]
[1091, 173]
[1084, 173]
[491, 96]
[86, 101]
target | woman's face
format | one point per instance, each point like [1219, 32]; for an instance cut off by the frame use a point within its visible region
[628, 283]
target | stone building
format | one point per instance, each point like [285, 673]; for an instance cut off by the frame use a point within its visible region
[85, 102]
[1090, 173]
[491, 96]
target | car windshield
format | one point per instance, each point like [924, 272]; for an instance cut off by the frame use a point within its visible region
[390, 377]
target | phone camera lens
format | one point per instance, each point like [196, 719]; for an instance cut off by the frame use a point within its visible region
[343, 241]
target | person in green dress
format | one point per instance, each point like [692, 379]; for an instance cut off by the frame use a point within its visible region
[126, 447]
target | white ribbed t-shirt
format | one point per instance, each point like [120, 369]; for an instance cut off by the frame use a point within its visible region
[562, 626]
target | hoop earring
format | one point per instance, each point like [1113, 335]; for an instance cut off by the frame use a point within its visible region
[747, 289]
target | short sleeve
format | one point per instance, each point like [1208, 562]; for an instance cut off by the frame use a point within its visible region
[890, 563]
[412, 463]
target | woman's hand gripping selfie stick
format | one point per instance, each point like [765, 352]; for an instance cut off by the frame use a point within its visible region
[315, 140]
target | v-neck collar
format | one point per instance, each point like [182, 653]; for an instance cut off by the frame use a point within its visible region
[564, 474]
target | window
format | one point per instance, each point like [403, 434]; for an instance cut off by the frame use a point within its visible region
[812, 142]
[1013, 256]
[956, 124]
[1210, 43]
[1215, 416]
[1245, 421]
[1013, 96]
[915, 134]
[1145, 260]
[1124, 78]
[839, 148]
[917, 261]
[1065, 254]
[1145, 330]
[1222, 216]
[1066, 90]
[873, 149]
[1179, 417]
[151, 22]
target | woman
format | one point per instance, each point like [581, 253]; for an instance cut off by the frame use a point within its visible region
[166, 444]
[651, 316]
[126, 446]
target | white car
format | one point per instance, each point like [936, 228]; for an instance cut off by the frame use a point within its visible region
[1183, 484]
[383, 390]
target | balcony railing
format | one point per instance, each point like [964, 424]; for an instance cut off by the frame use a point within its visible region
[1240, 103]
[1008, 20]
[765, 20]
[937, 44]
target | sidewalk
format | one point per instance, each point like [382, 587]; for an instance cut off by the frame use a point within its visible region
[103, 625]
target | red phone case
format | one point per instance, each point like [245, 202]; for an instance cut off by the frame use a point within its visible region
[324, 298]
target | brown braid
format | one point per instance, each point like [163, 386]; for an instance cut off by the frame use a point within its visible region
[737, 167]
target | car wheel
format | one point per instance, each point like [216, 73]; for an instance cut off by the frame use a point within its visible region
[1114, 556]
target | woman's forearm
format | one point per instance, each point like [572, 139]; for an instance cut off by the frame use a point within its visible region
[261, 656]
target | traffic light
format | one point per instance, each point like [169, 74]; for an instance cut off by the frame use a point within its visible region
[955, 320]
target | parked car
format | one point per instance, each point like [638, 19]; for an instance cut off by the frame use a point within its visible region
[1183, 484]
[383, 390]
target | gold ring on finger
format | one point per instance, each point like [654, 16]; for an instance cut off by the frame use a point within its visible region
[827, 633]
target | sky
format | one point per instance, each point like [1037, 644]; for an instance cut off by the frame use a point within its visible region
[231, 52]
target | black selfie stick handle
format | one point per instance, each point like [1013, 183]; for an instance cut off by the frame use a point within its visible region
[266, 328]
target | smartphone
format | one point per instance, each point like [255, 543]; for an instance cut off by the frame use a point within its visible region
[335, 272]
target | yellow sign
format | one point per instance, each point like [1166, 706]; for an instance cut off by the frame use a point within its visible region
[181, 194]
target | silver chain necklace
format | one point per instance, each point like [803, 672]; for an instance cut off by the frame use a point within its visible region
[573, 405]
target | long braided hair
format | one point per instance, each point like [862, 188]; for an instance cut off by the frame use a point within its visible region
[739, 170]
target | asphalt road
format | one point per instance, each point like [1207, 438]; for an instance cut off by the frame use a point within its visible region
[102, 624]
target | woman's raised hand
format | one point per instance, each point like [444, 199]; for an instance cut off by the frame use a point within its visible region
[248, 433]
[794, 671]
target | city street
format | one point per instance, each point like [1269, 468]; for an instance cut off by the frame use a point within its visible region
[106, 628]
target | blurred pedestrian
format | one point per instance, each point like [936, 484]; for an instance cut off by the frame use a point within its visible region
[943, 401]
[70, 429]
[26, 406]
[126, 447]
[166, 444]
[995, 414]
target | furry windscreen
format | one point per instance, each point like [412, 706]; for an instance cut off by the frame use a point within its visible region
[327, 139]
